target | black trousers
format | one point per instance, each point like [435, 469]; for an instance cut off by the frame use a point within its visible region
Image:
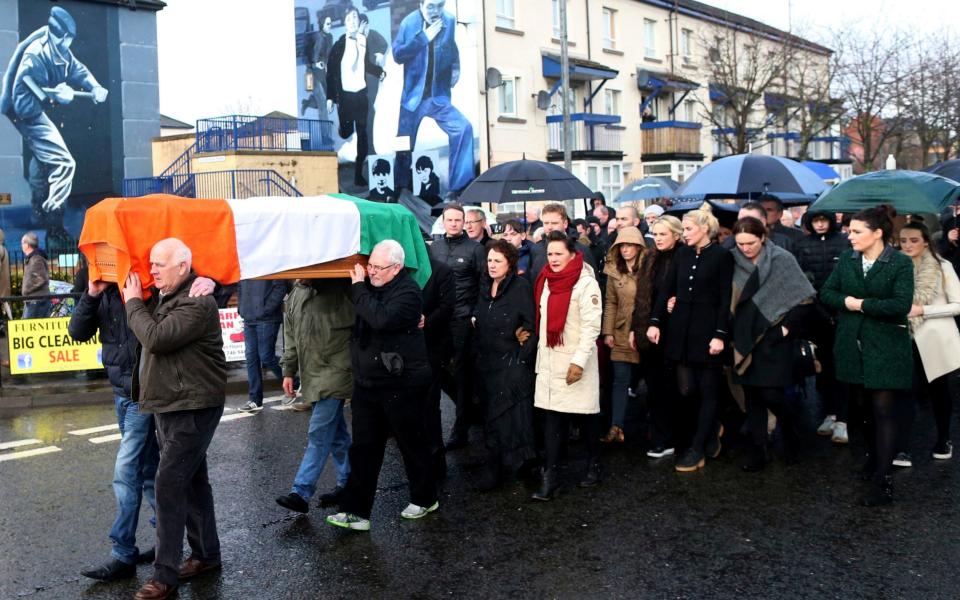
[458, 380]
[774, 399]
[833, 394]
[556, 429]
[699, 387]
[378, 413]
[184, 496]
[941, 401]
[433, 428]
[661, 397]
[353, 117]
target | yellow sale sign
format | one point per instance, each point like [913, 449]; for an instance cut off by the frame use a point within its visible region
[44, 346]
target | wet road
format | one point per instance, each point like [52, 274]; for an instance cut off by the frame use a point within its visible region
[646, 532]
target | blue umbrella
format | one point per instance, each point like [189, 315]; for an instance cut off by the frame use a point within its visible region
[751, 176]
[647, 188]
[823, 170]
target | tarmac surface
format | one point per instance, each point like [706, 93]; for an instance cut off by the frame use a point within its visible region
[646, 532]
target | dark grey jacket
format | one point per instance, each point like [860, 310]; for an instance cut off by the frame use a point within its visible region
[467, 259]
[261, 300]
[106, 313]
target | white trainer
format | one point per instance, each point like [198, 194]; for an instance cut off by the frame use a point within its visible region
[826, 428]
[349, 521]
[840, 433]
[412, 511]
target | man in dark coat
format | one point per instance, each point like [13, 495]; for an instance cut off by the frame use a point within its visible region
[261, 308]
[439, 303]
[774, 210]
[554, 217]
[467, 259]
[756, 210]
[391, 373]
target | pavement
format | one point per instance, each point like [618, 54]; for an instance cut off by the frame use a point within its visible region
[645, 532]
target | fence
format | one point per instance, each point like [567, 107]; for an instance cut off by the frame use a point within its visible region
[63, 262]
[242, 132]
[243, 183]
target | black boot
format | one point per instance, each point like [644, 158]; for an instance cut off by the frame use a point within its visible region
[868, 469]
[880, 493]
[112, 570]
[549, 485]
[489, 479]
[756, 459]
[592, 478]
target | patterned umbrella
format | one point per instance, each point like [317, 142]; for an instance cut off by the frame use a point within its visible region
[647, 188]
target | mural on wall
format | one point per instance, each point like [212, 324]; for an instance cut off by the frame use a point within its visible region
[52, 94]
[387, 75]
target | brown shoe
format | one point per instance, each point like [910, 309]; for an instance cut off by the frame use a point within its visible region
[154, 590]
[614, 435]
[193, 567]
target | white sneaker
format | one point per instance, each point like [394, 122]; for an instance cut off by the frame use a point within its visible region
[412, 511]
[826, 428]
[943, 452]
[903, 460]
[840, 433]
[250, 407]
[288, 400]
[349, 521]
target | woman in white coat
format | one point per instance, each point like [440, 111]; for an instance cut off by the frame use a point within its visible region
[568, 377]
[936, 340]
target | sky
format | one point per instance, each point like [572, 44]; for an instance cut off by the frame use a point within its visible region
[221, 57]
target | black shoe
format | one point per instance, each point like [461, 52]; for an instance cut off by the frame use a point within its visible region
[147, 557]
[549, 485]
[691, 460]
[868, 469]
[456, 442]
[756, 460]
[293, 502]
[593, 476]
[879, 494]
[489, 479]
[331, 498]
[112, 570]
[713, 446]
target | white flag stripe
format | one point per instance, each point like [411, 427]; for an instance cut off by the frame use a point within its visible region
[18, 443]
[106, 438]
[90, 430]
[26, 453]
[277, 234]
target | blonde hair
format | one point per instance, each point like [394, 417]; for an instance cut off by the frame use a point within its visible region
[670, 222]
[703, 217]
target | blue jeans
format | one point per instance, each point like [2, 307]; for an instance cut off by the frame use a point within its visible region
[622, 373]
[260, 340]
[133, 475]
[327, 435]
[37, 309]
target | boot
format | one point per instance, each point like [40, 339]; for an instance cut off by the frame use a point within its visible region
[592, 478]
[549, 485]
[868, 469]
[489, 479]
[614, 435]
[756, 459]
[880, 492]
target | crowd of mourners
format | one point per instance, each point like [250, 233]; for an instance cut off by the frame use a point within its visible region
[541, 337]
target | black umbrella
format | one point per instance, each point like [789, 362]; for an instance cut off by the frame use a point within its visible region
[949, 169]
[525, 181]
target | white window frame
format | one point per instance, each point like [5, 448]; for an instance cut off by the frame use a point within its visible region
[690, 111]
[649, 38]
[507, 14]
[611, 179]
[555, 16]
[514, 83]
[686, 45]
[609, 28]
[611, 97]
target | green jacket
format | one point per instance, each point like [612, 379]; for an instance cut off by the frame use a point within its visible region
[180, 364]
[316, 338]
[872, 347]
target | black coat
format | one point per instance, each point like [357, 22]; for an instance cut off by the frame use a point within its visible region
[772, 359]
[388, 322]
[106, 313]
[794, 234]
[818, 254]
[439, 302]
[702, 284]
[540, 260]
[467, 259]
[528, 253]
[334, 84]
[261, 299]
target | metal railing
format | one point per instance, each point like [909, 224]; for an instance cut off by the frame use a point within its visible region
[181, 164]
[244, 132]
[247, 183]
[587, 137]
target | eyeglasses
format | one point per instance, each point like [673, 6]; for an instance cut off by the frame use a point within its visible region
[378, 269]
[474, 222]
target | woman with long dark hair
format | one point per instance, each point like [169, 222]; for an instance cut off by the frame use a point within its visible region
[505, 346]
[771, 298]
[872, 288]
[936, 341]
[698, 288]
[568, 376]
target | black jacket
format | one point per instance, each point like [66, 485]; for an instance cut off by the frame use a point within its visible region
[528, 255]
[702, 285]
[794, 234]
[540, 260]
[334, 85]
[439, 302]
[261, 299]
[106, 313]
[388, 324]
[467, 259]
[818, 254]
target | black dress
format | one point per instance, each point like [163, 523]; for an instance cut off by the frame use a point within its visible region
[505, 369]
[702, 283]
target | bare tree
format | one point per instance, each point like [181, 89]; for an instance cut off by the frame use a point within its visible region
[742, 67]
[809, 107]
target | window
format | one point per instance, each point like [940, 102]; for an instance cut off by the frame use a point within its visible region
[506, 14]
[557, 25]
[652, 111]
[609, 29]
[611, 102]
[649, 38]
[686, 45]
[690, 111]
[592, 179]
[611, 180]
[508, 97]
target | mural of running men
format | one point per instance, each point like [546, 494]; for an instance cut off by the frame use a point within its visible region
[426, 47]
[43, 71]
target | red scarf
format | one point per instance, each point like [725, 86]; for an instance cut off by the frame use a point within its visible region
[561, 288]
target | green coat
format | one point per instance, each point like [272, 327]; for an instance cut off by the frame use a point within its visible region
[872, 347]
[316, 339]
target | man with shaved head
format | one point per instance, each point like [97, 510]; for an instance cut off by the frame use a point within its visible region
[180, 376]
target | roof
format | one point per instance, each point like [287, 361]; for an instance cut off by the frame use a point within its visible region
[278, 115]
[581, 69]
[153, 5]
[712, 13]
[171, 123]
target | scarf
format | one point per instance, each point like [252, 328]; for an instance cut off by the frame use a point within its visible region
[561, 289]
[927, 283]
[763, 293]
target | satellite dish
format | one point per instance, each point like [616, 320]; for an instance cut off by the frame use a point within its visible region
[643, 78]
[543, 100]
[493, 79]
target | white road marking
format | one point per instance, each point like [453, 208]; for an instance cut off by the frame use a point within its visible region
[18, 443]
[235, 416]
[106, 438]
[273, 399]
[26, 453]
[90, 430]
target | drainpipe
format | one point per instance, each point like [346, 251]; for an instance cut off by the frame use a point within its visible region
[486, 92]
[565, 87]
